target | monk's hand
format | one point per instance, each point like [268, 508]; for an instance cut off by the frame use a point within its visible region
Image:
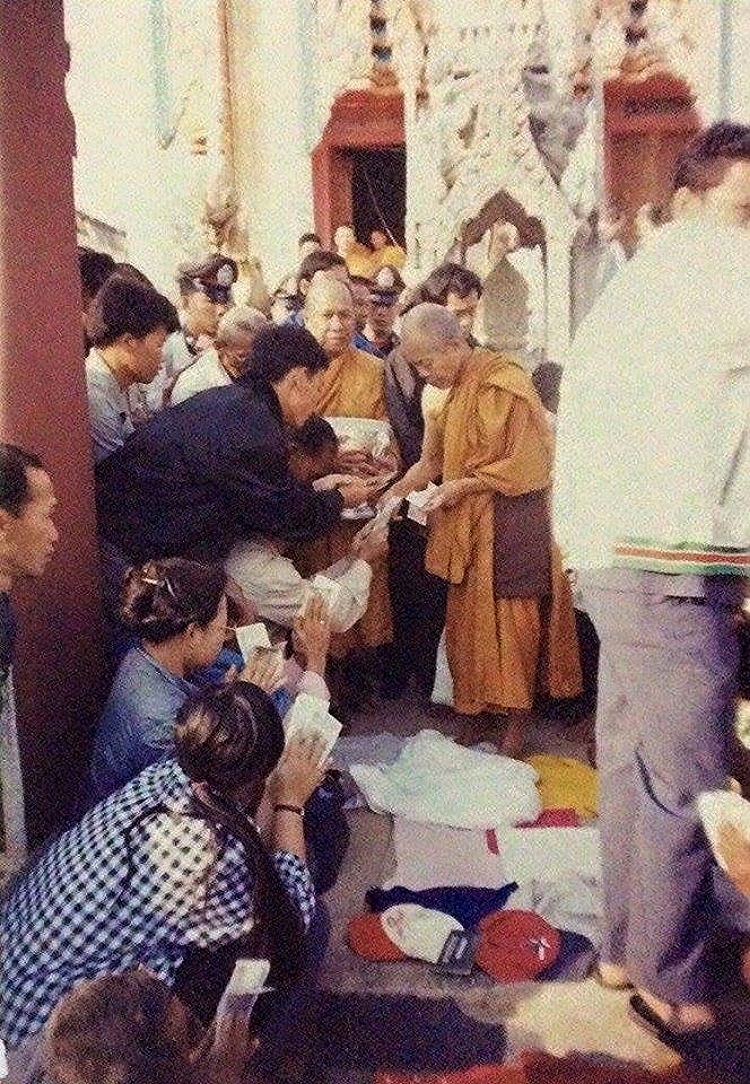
[734, 851]
[445, 496]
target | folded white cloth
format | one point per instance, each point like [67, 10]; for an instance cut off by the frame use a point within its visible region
[432, 855]
[548, 854]
[418, 931]
[437, 781]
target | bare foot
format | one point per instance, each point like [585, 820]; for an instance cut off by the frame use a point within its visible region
[689, 1016]
[478, 728]
[514, 738]
[613, 976]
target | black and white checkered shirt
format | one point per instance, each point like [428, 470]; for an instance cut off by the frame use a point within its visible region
[139, 880]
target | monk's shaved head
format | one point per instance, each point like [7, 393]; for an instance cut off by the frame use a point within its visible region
[325, 292]
[329, 314]
[429, 328]
[434, 344]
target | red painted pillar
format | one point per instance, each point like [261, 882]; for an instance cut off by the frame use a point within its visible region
[43, 403]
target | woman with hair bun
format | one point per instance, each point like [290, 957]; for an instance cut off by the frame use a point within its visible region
[177, 609]
[170, 873]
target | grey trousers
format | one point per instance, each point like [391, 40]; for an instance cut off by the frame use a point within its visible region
[668, 670]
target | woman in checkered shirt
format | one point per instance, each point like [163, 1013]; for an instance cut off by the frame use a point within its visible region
[170, 872]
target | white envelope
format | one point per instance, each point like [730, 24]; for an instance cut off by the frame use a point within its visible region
[309, 715]
[417, 499]
[328, 589]
[247, 981]
[718, 807]
[251, 637]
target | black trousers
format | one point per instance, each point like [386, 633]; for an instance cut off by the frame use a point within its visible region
[418, 601]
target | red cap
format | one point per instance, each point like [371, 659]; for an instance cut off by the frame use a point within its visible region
[516, 946]
[368, 939]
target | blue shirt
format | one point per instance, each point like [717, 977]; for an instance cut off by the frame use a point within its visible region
[140, 880]
[137, 725]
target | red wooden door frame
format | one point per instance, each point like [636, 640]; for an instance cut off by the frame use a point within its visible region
[360, 120]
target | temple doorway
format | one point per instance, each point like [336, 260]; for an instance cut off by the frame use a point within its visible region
[379, 192]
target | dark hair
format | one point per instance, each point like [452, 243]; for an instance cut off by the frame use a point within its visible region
[114, 1029]
[228, 736]
[320, 260]
[704, 161]
[15, 491]
[449, 278]
[276, 350]
[362, 280]
[316, 435]
[161, 598]
[124, 306]
[95, 268]
[130, 271]
[306, 237]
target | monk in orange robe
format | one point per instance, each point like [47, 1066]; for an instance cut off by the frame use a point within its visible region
[510, 627]
[351, 387]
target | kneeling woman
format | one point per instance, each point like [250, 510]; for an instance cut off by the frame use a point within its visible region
[169, 872]
[177, 610]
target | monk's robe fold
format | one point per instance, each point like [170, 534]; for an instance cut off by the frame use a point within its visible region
[353, 387]
[500, 649]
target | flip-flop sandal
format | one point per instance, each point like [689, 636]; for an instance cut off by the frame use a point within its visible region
[608, 984]
[676, 1038]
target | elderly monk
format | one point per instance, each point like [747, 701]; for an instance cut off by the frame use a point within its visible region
[509, 625]
[352, 387]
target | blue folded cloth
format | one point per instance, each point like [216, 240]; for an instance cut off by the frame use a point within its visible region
[467, 905]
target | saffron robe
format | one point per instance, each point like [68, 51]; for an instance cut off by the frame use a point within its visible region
[500, 650]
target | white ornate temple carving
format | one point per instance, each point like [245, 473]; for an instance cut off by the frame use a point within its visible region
[502, 123]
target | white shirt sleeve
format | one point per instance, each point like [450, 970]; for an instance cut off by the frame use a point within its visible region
[279, 592]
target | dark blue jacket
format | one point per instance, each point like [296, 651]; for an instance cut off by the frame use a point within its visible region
[205, 474]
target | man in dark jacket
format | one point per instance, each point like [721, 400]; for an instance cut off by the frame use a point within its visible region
[214, 469]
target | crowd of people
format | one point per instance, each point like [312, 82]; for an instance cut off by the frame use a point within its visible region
[354, 470]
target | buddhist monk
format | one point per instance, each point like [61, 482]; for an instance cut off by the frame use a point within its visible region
[510, 627]
[352, 387]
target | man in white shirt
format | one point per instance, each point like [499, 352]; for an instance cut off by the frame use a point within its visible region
[220, 366]
[652, 510]
[127, 325]
[270, 579]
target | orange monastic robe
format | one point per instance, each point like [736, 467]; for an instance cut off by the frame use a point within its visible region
[493, 427]
[353, 388]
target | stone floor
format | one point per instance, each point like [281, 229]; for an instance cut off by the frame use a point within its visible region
[556, 1017]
